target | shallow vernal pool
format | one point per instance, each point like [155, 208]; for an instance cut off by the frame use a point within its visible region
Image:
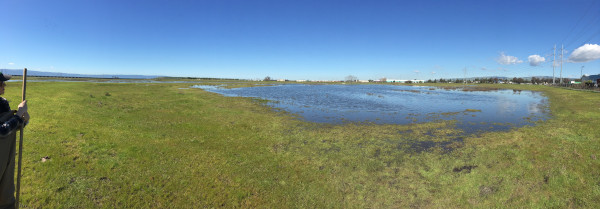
[473, 108]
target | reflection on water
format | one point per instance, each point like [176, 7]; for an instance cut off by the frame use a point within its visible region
[473, 109]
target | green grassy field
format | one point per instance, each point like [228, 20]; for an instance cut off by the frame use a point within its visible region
[157, 146]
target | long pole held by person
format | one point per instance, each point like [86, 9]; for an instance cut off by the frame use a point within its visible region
[21, 143]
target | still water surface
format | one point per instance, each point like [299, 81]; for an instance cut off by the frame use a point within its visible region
[473, 109]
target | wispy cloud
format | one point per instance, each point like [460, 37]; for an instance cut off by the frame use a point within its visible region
[504, 59]
[416, 71]
[494, 70]
[11, 63]
[535, 60]
[585, 53]
[433, 72]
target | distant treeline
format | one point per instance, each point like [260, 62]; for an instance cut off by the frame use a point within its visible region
[533, 80]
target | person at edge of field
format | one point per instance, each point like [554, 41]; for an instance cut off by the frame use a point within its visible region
[9, 123]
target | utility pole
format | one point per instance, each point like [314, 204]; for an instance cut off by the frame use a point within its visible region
[553, 64]
[562, 49]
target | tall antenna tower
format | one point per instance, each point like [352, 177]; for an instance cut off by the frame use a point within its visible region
[562, 49]
[553, 65]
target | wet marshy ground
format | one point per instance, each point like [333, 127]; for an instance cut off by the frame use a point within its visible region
[475, 109]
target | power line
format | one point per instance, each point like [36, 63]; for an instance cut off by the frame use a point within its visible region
[578, 21]
[580, 33]
[585, 29]
[591, 37]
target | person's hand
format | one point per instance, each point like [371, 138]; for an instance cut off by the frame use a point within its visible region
[22, 109]
[26, 117]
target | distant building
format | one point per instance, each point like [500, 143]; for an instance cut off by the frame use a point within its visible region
[594, 78]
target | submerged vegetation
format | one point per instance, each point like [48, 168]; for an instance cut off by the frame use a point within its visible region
[166, 145]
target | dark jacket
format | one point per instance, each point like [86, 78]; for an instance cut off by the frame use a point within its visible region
[8, 138]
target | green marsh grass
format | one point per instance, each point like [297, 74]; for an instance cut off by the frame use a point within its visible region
[156, 145]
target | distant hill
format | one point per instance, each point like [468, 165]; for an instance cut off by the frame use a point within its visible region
[548, 77]
[56, 74]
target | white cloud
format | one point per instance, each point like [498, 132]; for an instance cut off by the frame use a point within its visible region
[507, 60]
[432, 72]
[536, 60]
[11, 63]
[585, 53]
[416, 71]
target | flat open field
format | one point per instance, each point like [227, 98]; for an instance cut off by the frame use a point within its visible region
[159, 146]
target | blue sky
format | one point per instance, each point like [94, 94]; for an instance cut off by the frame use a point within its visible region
[300, 39]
